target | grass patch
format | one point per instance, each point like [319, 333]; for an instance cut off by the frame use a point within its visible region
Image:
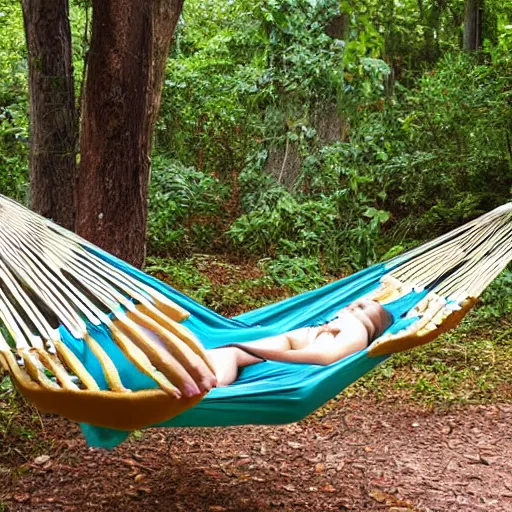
[21, 427]
[228, 287]
[472, 364]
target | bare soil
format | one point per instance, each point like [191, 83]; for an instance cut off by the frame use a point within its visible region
[356, 454]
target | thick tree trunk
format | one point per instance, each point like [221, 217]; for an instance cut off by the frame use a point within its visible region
[473, 12]
[129, 45]
[52, 110]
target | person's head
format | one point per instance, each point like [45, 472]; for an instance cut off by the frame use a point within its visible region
[372, 315]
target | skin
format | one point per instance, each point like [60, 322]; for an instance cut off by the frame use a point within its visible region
[353, 329]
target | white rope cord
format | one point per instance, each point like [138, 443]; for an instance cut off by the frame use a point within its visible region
[70, 248]
[479, 271]
[434, 262]
[48, 279]
[474, 254]
[499, 213]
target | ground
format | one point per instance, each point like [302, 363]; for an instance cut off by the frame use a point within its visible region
[428, 430]
[358, 454]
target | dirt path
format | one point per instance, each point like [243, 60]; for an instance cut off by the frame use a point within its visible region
[361, 455]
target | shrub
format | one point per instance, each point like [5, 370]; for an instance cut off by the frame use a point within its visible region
[184, 208]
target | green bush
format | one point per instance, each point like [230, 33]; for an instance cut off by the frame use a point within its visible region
[496, 301]
[13, 103]
[184, 208]
[315, 228]
[452, 158]
[295, 273]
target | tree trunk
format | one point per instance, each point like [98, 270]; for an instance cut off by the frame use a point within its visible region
[473, 12]
[52, 110]
[338, 27]
[129, 46]
[431, 30]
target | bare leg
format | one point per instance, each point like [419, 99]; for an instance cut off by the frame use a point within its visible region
[227, 361]
[225, 364]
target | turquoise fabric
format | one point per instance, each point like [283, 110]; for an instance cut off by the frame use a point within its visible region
[265, 393]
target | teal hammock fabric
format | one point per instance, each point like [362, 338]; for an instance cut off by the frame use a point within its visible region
[265, 393]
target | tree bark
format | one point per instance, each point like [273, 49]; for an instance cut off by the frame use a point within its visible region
[431, 30]
[473, 12]
[338, 27]
[52, 110]
[129, 46]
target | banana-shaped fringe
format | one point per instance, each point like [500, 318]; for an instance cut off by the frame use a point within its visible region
[49, 280]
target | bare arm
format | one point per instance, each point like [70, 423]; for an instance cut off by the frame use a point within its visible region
[328, 348]
[295, 347]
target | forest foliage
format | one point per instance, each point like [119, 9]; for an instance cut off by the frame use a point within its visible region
[336, 132]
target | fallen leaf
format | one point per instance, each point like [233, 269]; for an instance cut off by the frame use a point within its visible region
[212, 473]
[139, 478]
[295, 445]
[473, 458]
[21, 498]
[378, 495]
[42, 459]
[447, 429]
[289, 488]
[319, 468]
[328, 488]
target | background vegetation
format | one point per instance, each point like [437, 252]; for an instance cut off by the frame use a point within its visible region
[419, 135]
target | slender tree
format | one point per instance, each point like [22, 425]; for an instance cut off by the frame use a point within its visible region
[52, 110]
[431, 29]
[129, 45]
[473, 14]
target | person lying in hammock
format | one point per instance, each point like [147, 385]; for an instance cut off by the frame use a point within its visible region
[355, 327]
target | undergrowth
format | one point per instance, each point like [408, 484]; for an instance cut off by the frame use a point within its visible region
[21, 427]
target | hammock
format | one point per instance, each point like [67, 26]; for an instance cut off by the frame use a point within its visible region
[72, 336]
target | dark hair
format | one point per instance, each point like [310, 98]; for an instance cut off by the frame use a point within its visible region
[389, 319]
